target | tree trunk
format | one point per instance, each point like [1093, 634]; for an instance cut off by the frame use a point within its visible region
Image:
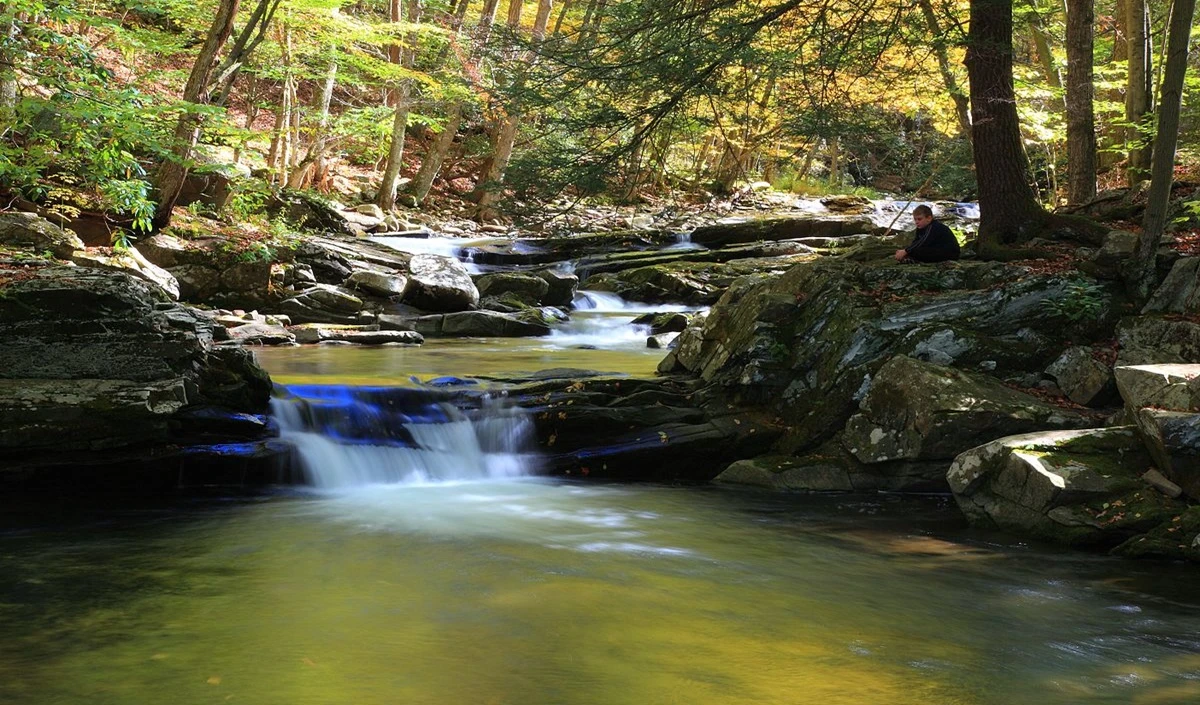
[169, 180]
[962, 105]
[1009, 212]
[391, 172]
[436, 156]
[1154, 222]
[312, 160]
[490, 184]
[8, 71]
[1081, 119]
[244, 45]
[1041, 46]
[1139, 93]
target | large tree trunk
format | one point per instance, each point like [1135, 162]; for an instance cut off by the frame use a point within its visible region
[962, 105]
[169, 180]
[1142, 269]
[1081, 120]
[1009, 212]
[1139, 91]
[403, 99]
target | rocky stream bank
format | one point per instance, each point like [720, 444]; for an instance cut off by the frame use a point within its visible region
[1032, 391]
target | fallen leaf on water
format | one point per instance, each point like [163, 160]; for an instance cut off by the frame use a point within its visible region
[214, 680]
[308, 662]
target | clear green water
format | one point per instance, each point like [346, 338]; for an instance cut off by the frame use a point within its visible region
[538, 592]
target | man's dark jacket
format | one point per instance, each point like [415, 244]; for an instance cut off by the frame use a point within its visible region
[933, 243]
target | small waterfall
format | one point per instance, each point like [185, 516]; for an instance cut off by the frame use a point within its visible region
[458, 248]
[353, 436]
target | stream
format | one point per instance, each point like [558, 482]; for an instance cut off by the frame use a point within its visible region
[426, 562]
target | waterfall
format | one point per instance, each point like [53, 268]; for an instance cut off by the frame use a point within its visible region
[346, 437]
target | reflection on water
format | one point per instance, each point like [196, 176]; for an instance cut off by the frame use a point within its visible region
[538, 592]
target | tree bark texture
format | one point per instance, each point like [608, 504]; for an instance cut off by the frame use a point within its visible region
[1009, 211]
[1139, 91]
[1154, 221]
[170, 177]
[1081, 117]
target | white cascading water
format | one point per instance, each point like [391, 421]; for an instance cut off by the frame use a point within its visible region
[346, 437]
[603, 320]
[444, 246]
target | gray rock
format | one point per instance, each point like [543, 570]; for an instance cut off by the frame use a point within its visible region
[378, 283]
[132, 261]
[1084, 379]
[1110, 259]
[1058, 485]
[323, 303]
[741, 231]
[1173, 438]
[256, 333]
[31, 232]
[369, 209]
[1180, 291]
[1150, 340]
[1170, 387]
[526, 288]
[661, 341]
[786, 473]
[438, 283]
[919, 411]
[478, 324]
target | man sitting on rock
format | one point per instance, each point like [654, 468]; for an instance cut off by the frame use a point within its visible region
[932, 242]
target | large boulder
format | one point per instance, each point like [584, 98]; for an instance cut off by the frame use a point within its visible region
[1172, 387]
[479, 324]
[1164, 402]
[1152, 340]
[919, 411]
[99, 359]
[1082, 377]
[378, 283]
[739, 231]
[322, 303]
[1071, 487]
[561, 288]
[132, 261]
[438, 283]
[526, 288]
[28, 231]
[1180, 291]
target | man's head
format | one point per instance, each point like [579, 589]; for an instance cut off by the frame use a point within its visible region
[922, 215]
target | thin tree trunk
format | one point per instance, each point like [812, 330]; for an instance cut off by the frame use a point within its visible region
[492, 180]
[9, 62]
[1081, 118]
[169, 180]
[316, 153]
[962, 104]
[1154, 221]
[1139, 93]
[1041, 45]
[1009, 212]
[244, 45]
[835, 162]
[566, 6]
[436, 156]
[391, 172]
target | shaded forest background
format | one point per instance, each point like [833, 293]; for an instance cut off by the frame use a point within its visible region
[105, 106]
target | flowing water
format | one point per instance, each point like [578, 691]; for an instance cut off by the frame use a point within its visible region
[424, 565]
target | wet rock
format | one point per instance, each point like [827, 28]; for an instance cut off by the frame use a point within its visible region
[1072, 487]
[961, 347]
[918, 411]
[323, 303]
[662, 341]
[668, 322]
[131, 261]
[787, 473]
[846, 203]
[478, 324]
[1176, 538]
[526, 288]
[377, 283]
[1082, 378]
[358, 335]
[561, 288]
[31, 232]
[438, 283]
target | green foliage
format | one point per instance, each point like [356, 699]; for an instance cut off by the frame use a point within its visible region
[1083, 300]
